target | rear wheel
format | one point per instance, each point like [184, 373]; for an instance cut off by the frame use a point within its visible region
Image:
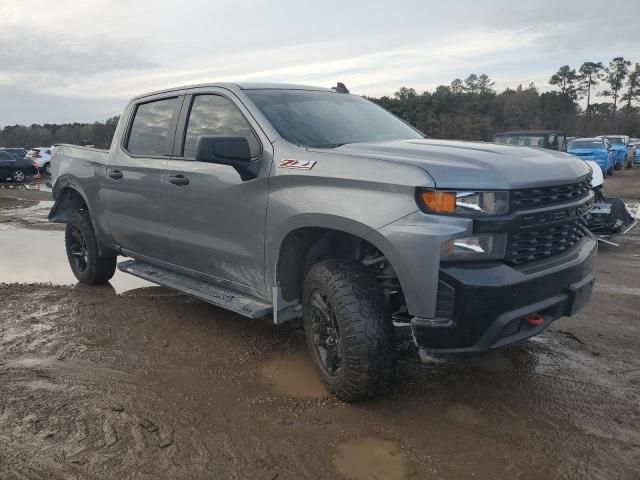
[18, 175]
[82, 251]
[348, 329]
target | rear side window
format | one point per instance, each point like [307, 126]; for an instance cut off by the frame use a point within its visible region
[216, 115]
[5, 156]
[150, 129]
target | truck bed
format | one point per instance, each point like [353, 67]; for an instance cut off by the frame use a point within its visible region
[66, 157]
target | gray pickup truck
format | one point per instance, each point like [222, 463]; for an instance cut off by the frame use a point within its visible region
[287, 202]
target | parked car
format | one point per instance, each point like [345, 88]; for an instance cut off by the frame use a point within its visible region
[623, 149]
[292, 201]
[15, 168]
[636, 155]
[550, 139]
[597, 149]
[18, 152]
[610, 215]
[42, 157]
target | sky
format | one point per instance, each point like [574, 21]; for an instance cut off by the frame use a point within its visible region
[75, 60]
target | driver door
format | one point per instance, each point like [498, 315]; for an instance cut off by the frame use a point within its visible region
[216, 220]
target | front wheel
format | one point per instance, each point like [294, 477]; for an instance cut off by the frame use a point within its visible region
[18, 175]
[348, 329]
[82, 251]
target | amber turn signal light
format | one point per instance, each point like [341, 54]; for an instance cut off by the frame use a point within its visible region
[439, 202]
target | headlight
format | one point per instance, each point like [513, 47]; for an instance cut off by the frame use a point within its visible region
[467, 204]
[476, 247]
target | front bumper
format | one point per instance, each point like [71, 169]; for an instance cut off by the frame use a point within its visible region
[490, 302]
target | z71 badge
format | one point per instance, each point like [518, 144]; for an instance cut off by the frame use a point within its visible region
[297, 164]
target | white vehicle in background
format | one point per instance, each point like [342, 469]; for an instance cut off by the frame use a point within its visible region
[42, 157]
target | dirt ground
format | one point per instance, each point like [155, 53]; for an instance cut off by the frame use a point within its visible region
[130, 380]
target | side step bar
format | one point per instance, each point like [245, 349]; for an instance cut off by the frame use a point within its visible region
[221, 297]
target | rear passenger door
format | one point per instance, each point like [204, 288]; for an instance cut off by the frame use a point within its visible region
[217, 221]
[135, 182]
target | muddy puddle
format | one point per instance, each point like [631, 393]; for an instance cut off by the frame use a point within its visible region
[39, 256]
[35, 185]
[27, 214]
[370, 459]
[294, 375]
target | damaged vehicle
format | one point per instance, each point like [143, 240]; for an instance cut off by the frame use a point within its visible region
[636, 155]
[624, 151]
[550, 139]
[596, 149]
[288, 201]
[610, 215]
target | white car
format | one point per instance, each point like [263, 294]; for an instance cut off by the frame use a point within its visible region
[598, 178]
[42, 157]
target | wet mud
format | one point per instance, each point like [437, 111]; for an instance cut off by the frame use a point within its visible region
[136, 381]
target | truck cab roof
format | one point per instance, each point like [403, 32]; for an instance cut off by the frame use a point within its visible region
[238, 86]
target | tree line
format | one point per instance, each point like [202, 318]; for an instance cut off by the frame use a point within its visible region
[98, 134]
[469, 109]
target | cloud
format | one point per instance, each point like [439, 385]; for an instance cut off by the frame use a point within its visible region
[114, 49]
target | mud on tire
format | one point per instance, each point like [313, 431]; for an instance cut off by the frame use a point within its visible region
[349, 294]
[82, 251]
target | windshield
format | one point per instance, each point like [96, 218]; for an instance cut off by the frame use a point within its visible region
[591, 144]
[616, 140]
[326, 119]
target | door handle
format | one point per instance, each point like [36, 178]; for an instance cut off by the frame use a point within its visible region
[116, 174]
[179, 180]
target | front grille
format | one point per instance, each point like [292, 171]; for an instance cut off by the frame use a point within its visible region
[530, 198]
[535, 244]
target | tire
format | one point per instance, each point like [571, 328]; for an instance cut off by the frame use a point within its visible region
[18, 175]
[47, 168]
[82, 251]
[348, 329]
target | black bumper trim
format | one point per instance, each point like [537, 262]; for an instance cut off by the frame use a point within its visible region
[492, 303]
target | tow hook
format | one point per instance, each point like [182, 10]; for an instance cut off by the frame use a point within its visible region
[535, 319]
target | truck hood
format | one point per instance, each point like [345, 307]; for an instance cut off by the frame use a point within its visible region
[588, 152]
[475, 165]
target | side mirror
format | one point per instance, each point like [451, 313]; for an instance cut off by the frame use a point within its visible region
[232, 151]
[223, 150]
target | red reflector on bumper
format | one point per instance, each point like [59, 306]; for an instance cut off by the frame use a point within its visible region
[535, 319]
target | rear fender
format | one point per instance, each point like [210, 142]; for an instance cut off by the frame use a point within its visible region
[68, 200]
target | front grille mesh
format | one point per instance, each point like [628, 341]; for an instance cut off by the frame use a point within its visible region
[536, 244]
[530, 198]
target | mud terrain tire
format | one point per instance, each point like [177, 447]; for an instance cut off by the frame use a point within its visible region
[82, 251]
[347, 295]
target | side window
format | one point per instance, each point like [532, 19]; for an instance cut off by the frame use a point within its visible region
[4, 156]
[150, 128]
[216, 115]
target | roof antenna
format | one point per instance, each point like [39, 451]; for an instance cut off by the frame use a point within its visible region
[340, 88]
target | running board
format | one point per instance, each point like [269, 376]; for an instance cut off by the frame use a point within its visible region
[219, 296]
